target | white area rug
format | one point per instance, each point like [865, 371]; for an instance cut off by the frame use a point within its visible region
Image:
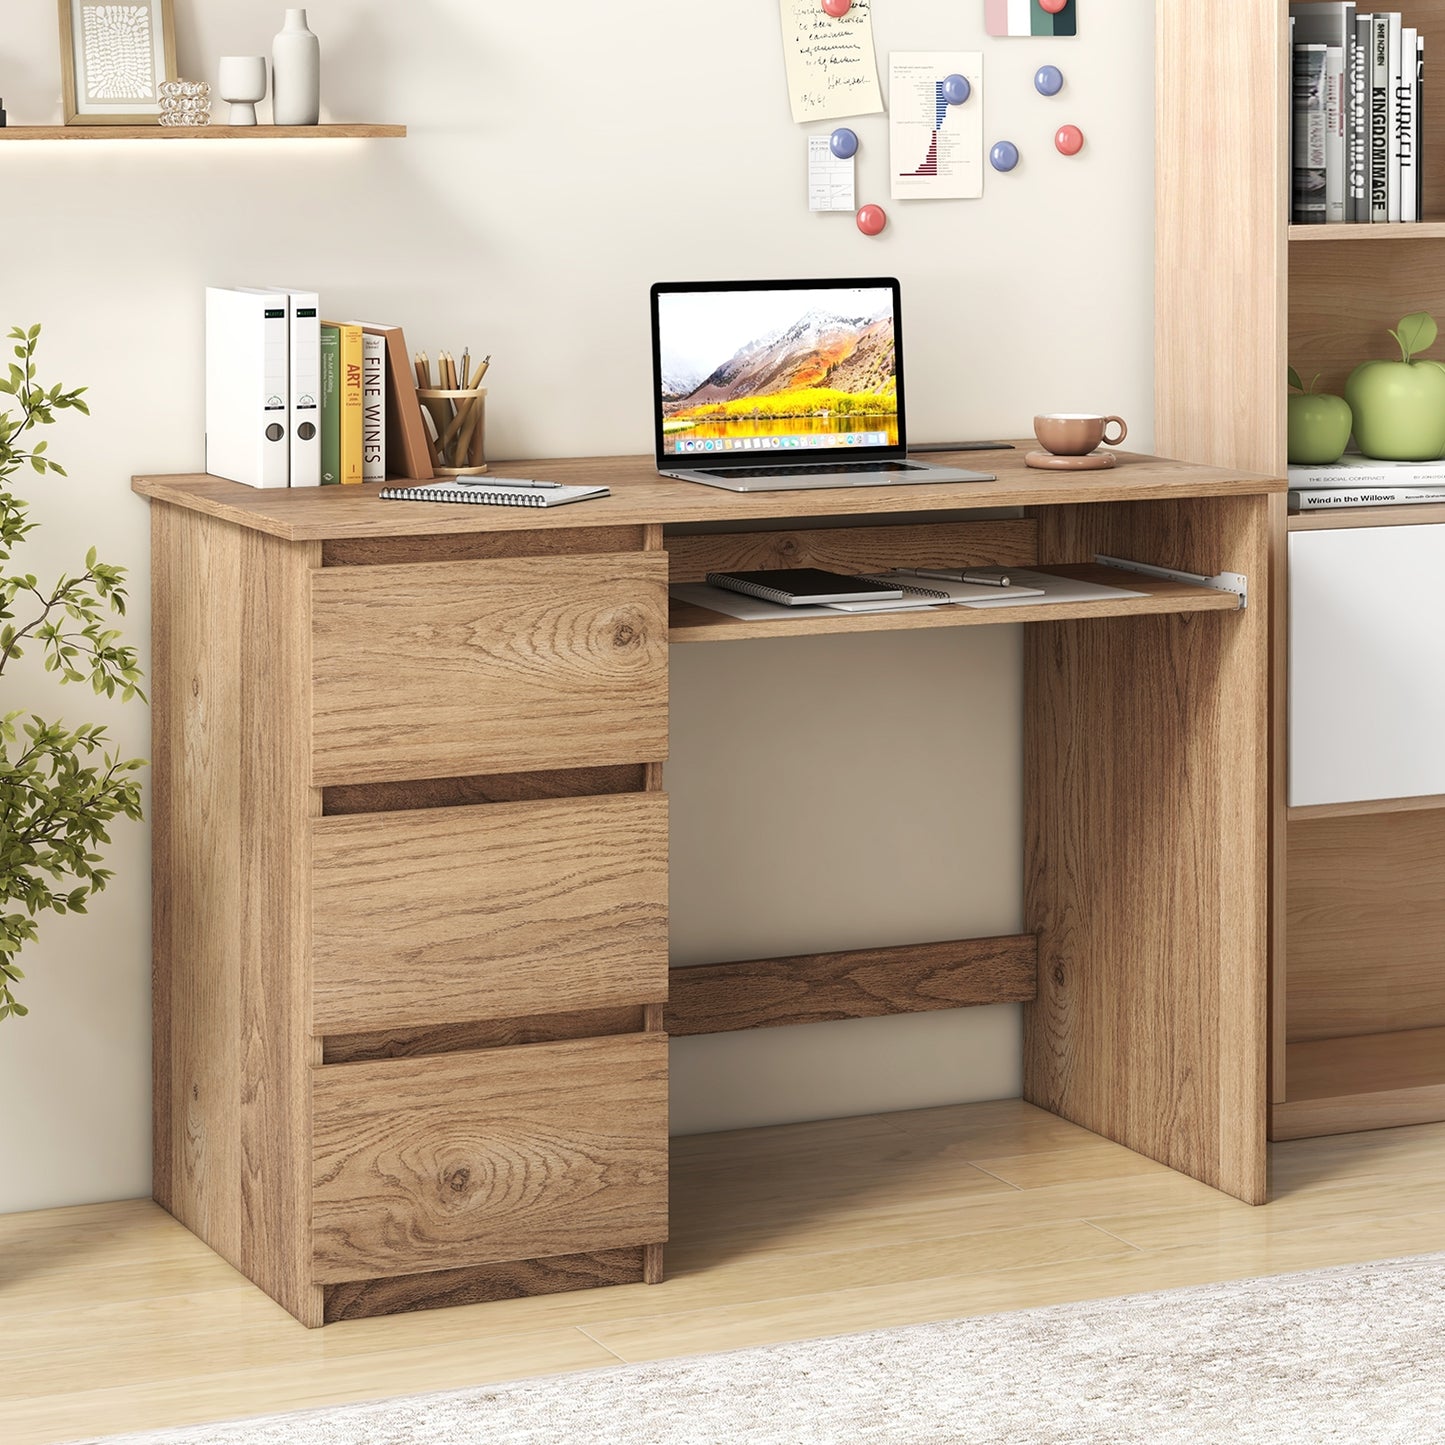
[1354, 1354]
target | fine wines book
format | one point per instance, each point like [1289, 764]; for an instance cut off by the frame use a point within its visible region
[373, 407]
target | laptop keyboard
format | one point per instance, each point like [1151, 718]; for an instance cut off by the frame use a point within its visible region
[822, 469]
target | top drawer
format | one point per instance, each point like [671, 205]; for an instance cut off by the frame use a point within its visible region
[447, 669]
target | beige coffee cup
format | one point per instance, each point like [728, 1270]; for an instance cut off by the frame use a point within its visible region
[1075, 434]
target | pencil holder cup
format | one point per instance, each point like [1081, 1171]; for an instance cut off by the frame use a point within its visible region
[458, 429]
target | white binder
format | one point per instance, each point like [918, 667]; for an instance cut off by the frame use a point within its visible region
[248, 386]
[304, 396]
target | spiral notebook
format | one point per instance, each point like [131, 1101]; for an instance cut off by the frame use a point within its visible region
[494, 492]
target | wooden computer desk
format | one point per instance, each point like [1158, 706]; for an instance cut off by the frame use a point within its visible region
[411, 976]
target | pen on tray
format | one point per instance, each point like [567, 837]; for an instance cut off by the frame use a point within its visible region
[967, 574]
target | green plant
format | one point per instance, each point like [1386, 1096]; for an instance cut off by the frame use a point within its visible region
[56, 794]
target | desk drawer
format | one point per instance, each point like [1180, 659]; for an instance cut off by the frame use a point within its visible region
[452, 914]
[449, 669]
[463, 1159]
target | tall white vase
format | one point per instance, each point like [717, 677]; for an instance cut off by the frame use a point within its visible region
[296, 73]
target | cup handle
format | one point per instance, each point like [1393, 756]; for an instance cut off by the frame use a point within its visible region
[1123, 431]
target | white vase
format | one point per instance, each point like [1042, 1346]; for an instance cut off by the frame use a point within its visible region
[296, 73]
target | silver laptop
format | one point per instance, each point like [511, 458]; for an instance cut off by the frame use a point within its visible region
[780, 386]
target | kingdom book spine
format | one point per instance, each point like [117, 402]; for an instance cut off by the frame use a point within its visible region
[1325, 498]
[373, 407]
[1379, 117]
[1310, 127]
[1335, 180]
[330, 406]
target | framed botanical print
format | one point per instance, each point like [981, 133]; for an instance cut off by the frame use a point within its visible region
[113, 60]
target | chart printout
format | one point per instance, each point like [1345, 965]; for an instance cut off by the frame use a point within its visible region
[935, 149]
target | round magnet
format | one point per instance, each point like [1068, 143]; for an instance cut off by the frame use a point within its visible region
[843, 143]
[1048, 80]
[837, 8]
[871, 219]
[1052, 6]
[1004, 156]
[956, 89]
[1069, 139]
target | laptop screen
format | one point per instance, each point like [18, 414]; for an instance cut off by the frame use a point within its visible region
[745, 371]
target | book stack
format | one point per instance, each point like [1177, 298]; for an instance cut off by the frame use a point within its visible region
[1356, 136]
[1356, 481]
[371, 422]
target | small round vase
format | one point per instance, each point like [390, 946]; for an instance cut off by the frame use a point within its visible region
[296, 73]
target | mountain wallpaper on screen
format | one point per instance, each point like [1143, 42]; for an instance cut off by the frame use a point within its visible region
[819, 360]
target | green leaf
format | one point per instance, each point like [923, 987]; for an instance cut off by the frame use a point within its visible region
[1294, 380]
[1416, 333]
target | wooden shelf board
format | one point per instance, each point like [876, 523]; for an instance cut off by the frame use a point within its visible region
[337, 131]
[1410, 514]
[1365, 807]
[1370, 1081]
[1358, 231]
[696, 624]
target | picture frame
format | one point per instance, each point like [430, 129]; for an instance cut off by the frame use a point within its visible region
[114, 58]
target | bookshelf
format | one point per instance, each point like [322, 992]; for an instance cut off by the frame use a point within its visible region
[201, 132]
[1357, 1016]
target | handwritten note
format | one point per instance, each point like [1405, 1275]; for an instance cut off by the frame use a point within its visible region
[830, 64]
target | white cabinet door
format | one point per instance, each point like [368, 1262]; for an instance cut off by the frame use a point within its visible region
[1366, 663]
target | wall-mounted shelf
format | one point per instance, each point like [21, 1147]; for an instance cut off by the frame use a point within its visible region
[201, 132]
[1358, 231]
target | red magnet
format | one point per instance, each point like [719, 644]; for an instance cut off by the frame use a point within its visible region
[871, 219]
[1069, 139]
[1052, 6]
[837, 8]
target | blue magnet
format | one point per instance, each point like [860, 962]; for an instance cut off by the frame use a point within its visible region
[1004, 156]
[956, 89]
[1048, 80]
[843, 143]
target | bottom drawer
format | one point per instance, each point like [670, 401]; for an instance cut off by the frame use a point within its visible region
[460, 1159]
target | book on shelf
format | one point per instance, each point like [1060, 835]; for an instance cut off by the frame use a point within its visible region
[407, 452]
[1354, 471]
[1311, 125]
[330, 406]
[1358, 205]
[373, 407]
[494, 492]
[349, 410]
[1405, 124]
[1330, 93]
[1319, 499]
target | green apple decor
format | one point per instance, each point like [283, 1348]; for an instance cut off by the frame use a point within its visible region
[1319, 424]
[1399, 406]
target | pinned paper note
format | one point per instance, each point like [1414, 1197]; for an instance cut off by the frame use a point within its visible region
[1031, 17]
[830, 177]
[829, 61]
[935, 148]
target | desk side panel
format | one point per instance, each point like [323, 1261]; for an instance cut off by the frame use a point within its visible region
[1146, 822]
[232, 1047]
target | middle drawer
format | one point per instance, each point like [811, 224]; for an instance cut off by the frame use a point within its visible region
[452, 914]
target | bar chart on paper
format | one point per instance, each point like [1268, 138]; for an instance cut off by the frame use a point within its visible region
[935, 148]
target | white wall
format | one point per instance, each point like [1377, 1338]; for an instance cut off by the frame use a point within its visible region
[561, 159]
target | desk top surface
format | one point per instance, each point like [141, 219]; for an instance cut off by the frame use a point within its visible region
[640, 497]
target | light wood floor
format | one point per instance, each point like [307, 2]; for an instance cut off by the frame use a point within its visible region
[113, 1317]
